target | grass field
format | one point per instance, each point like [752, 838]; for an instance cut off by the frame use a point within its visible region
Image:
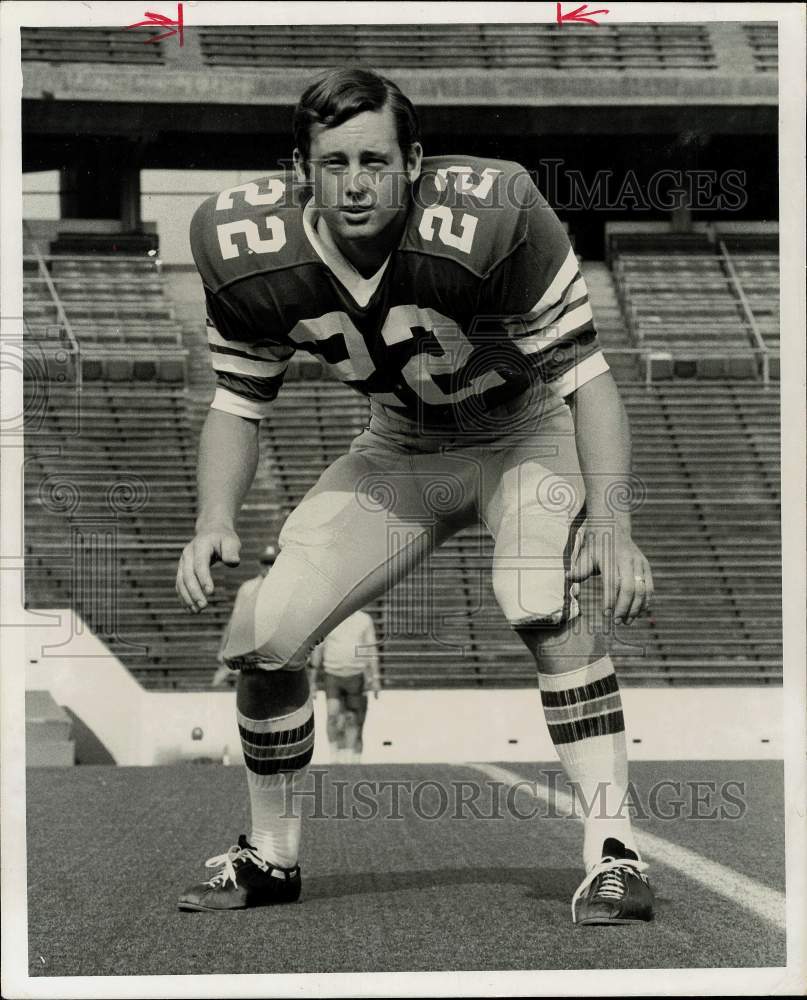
[109, 850]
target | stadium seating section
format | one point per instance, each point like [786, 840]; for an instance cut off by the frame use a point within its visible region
[114, 308]
[471, 45]
[110, 481]
[764, 46]
[707, 305]
[669, 48]
[95, 45]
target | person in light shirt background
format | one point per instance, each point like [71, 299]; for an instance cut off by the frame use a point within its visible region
[347, 658]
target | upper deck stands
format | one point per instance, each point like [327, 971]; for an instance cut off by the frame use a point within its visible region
[520, 66]
[486, 46]
[91, 45]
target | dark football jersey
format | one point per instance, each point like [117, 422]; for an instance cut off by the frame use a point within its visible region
[481, 298]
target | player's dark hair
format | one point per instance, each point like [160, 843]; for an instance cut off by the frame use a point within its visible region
[344, 93]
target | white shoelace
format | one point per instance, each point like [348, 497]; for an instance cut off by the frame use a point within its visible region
[225, 862]
[613, 885]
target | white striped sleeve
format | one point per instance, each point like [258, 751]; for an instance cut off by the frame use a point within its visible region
[570, 381]
[248, 375]
[240, 406]
[558, 332]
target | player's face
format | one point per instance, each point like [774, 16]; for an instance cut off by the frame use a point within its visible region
[359, 175]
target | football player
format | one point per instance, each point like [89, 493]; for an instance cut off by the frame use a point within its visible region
[444, 289]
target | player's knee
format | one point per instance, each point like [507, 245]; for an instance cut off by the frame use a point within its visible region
[539, 598]
[276, 649]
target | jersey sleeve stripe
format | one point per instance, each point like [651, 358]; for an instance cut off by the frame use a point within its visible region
[574, 320]
[250, 387]
[575, 294]
[537, 342]
[561, 333]
[587, 369]
[266, 351]
[567, 275]
[244, 366]
[231, 402]
[267, 359]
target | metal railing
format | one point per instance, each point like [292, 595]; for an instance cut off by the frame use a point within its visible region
[762, 347]
[61, 314]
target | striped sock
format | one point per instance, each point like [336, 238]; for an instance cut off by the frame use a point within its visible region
[583, 710]
[277, 752]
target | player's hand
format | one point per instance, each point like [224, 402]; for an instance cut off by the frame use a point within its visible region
[627, 578]
[210, 545]
[376, 691]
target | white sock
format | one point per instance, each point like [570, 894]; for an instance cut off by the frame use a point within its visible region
[583, 711]
[276, 817]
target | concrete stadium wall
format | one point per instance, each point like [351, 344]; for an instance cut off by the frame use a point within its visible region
[156, 727]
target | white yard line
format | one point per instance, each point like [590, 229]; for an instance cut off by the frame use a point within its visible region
[769, 904]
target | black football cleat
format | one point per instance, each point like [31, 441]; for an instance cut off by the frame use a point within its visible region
[244, 880]
[615, 891]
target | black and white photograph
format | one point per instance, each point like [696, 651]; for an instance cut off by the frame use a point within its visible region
[403, 481]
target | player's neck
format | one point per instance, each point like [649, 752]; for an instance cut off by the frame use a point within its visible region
[367, 256]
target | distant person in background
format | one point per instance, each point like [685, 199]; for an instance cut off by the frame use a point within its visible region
[224, 675]
[348, 659]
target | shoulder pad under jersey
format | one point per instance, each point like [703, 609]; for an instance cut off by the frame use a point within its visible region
[470, 210]
[249, 229]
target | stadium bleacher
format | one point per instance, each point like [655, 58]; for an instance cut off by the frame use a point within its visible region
[763, 41]
[689, 299]
[420, 46]
[92, 45]
[114, 307]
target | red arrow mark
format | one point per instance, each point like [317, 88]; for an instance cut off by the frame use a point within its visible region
[161, 21]
[579, 16]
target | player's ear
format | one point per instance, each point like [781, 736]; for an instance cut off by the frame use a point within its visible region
[300, 171]
[413, 161]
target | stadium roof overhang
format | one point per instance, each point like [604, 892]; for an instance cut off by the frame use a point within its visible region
[83, 101]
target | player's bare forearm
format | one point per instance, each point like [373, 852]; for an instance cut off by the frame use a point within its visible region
[228, 458]
[602, 434]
